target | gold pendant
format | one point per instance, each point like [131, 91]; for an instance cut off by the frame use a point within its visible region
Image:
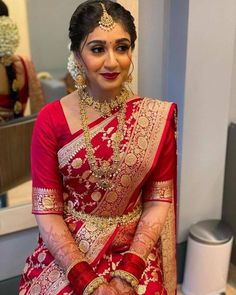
[104, 184]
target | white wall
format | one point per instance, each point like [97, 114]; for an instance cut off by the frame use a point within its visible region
[133, 7]
[232, 114]
[153, 23]
[48, 30]
[210, 54]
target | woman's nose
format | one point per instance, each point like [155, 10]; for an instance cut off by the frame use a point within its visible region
[110, 60]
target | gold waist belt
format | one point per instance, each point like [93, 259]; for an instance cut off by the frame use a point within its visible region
[102, 221]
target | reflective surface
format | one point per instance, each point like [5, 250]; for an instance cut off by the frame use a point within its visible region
[18, 195]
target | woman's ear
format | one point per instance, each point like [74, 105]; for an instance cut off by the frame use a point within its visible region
[78, 61]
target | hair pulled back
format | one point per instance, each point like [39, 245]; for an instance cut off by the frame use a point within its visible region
[87, 16]
[3, 9]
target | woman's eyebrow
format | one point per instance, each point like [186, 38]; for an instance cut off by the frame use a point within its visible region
[122, 40]
[103, 42]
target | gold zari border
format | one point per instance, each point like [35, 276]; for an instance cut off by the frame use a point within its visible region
[47, 201]
[160, 191]
[168, 248]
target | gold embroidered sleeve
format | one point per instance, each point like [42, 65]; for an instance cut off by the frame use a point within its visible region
[47, 201]
[160, 191]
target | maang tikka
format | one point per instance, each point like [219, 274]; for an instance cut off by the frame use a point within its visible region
[106, 22]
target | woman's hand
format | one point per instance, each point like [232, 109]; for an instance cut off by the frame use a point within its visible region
[122, 287]
[105, 290]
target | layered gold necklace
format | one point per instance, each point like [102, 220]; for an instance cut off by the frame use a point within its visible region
[105, 108]
[104, 171]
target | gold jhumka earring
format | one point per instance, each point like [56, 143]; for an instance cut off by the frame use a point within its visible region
[106, 22]
[76, 73]
[80, 82]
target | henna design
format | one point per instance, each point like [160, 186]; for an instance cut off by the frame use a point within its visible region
[146, 236]
[122, 286]
[62, 246]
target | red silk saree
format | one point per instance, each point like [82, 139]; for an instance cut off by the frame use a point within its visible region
[103, 223]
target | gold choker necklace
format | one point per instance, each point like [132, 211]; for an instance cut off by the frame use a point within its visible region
[105, 108]
[105, 170]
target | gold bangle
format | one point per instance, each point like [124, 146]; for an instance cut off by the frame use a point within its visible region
[72, 265]
[127, 276]
[137, 254]
[93, 285]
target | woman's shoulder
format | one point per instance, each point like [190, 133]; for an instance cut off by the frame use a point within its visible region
[158, 101]
[50, 107]
[49, 112]
[158, 105]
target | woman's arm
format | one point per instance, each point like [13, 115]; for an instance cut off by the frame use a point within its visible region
[59, 240]
[48, 190]
[149, 227]
[146, 236]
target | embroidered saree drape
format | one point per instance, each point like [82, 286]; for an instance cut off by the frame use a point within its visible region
[103, 223]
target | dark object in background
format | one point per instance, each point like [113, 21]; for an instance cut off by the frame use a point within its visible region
[229, 196]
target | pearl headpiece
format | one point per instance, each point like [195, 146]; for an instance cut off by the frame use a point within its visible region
[9, 37]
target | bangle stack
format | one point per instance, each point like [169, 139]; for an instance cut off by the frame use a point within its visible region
[93, 285]
[126, 276]
[130, 268]
[137, 254]
[83, 279]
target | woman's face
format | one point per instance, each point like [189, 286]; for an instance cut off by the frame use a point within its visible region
[106, 58]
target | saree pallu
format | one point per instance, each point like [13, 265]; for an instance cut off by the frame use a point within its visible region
[103, 223]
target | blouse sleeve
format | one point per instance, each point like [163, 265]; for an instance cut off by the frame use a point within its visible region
[160, 185]
[47, 196]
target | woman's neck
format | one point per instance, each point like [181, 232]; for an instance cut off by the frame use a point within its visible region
[106, 95]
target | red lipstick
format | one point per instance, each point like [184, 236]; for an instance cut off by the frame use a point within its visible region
[110, 76]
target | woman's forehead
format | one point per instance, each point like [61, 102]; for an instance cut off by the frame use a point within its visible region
[116, 33]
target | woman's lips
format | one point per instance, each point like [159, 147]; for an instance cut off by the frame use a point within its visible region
[110, 76]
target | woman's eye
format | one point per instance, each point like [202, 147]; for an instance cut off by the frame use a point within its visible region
[97, 49]
[123, 48]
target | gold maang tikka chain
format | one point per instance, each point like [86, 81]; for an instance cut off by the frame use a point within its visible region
[106, 22]
[106, 170]
[106, 107]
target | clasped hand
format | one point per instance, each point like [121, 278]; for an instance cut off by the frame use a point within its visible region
[115, 287]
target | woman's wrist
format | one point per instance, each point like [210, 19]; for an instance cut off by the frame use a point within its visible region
[83, 279]
[93, 285]
[130, 268]
[128, 277]
[137, 254]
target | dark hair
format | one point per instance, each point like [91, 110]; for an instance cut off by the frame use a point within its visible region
[3, 9]
[86, 18]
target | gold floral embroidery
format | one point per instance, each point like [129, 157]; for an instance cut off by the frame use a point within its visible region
[51, 281]
[160, 191]
[47, 201]
[168, 244]
[139, 156]
[73, 147]
[77, 163]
